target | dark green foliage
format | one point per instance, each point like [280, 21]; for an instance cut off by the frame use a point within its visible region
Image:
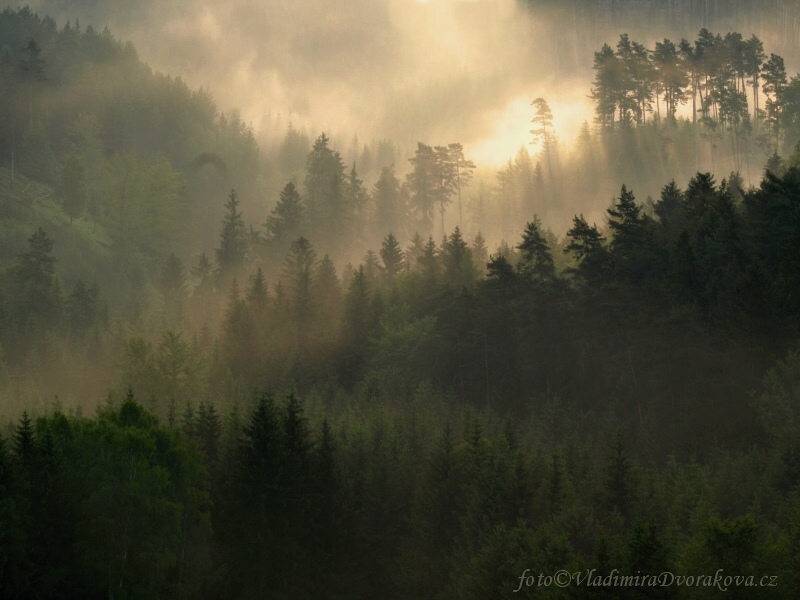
[456, 258]
[627, 243]
[116, 504]
[536, 260]
[660, 327]
[34, 304]
[588, 245]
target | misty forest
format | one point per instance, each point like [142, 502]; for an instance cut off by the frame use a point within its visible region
[399, 299]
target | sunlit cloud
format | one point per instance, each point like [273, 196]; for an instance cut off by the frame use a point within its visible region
[410, 70]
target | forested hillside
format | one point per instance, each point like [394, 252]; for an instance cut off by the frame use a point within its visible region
[392, 372]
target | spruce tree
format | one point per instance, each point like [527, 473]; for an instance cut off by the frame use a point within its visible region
[392, 257]
[536, 260]
[286, 219]
[233, 237]
[299, 269]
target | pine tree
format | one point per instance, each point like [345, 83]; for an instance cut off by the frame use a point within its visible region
[536, 260]
[463, 174]
[457, 260]
[588, 245]
[774, 76]
[207, 431]
[233, 237]
[257, 295]
[325, 193]
[628, 245]
[36, 302]
[392, 257]
[286, 219]
[299, 268]
[480, 254]
[422, 185]
[543, 131]
[328, 288]
[24, 441]
[625, 221]
[390, 203]
[671, 212]
[428, 263]
[446, 179]
[414, 251]
[356, 203]
[671, 76]
[355, 327]
[608, 81]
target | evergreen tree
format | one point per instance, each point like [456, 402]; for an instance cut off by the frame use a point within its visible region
[422, 185]
[207, 431]
[356, 327]
[286, 219]
[414, 251]
[299, 268]
[608, 81]
[429, 264]
[257, 294]
[588, 245]
[536, 260]
[202, 272]
[774, 76]
[328, 288]
[480, 254]
[356, 203]
[293, 151]
[628, 228]
[392, 257]
[543, 131]
[463, 173]
[34, 294]
[670, 210]
[671, 76]
[325, 192]
[456, 259]
[445, 177]
[390, 203]
[233, 237]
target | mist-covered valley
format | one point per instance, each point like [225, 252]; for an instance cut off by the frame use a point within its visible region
[399, 299]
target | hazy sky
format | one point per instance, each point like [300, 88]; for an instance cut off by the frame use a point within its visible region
[437, 71]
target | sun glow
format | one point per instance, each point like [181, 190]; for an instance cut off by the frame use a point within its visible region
[511, 127]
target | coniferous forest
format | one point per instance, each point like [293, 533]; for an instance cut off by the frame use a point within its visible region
[324, 368]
